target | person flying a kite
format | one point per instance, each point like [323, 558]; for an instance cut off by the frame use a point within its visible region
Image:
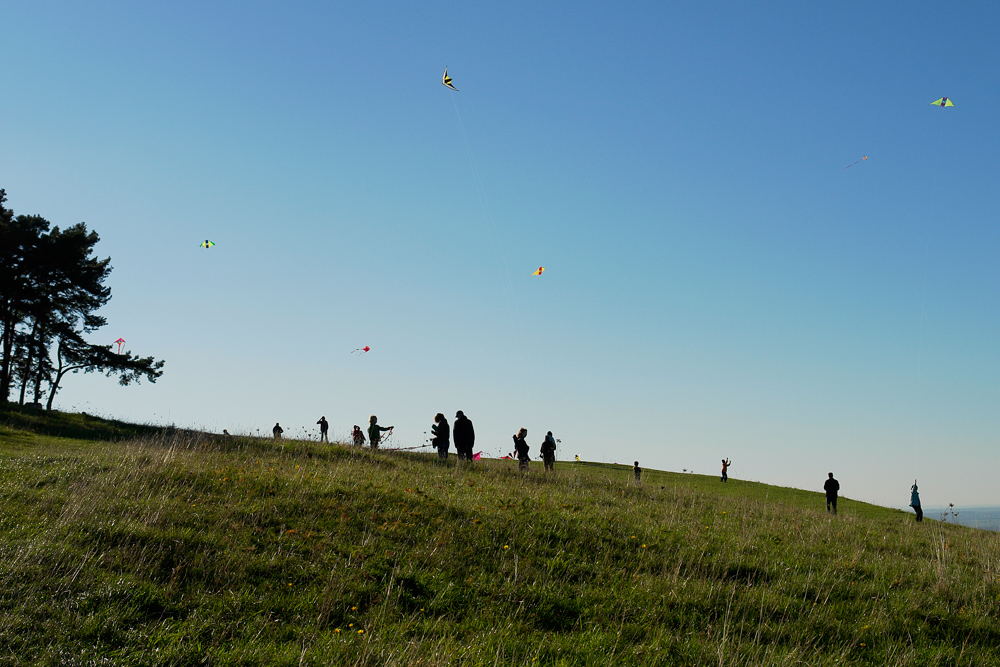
[539, 272]
[206, 244]
[943, 102]
[446, 80]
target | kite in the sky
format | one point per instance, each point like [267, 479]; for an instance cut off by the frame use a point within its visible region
[360, 350]
[539, 272]
[119, 343]
[446, 80]
[863, 157]
[943, 102]
[206, 244]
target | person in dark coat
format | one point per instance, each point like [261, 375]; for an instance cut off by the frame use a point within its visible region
[521, 449]
[375, 432]
[442, 436]
[915, 501]
[637, 471]
[324, 426]
[548, 450]
[465, 436]
[831, 486]
[277, 431]
[358, 436]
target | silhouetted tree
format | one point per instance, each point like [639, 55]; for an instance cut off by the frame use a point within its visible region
[51, 287]
[75, 354]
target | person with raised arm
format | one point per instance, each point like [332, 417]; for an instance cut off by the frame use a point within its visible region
[375, 432]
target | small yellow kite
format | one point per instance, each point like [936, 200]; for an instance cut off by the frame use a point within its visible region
[943, 102]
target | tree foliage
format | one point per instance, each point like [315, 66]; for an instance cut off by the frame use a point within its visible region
[51, 287]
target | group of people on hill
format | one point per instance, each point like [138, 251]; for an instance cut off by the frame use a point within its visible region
[357, 435]
[547, 450]
[465, 437]
[832, 489]
[374, 432]
[464, 434]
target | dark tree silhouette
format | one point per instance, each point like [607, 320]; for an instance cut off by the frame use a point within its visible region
[51, 287]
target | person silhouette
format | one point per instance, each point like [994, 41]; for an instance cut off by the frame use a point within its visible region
[375, 432]
[915, 501]
[464, 435]
[549, 451]
[442, 436]
[521, 449]
[831, 486]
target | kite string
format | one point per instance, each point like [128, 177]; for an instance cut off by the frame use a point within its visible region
[498, 253]
[924, 318]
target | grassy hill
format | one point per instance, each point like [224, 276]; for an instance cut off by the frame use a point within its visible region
[128, 545]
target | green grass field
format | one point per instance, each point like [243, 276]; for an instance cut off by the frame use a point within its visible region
[125, 545]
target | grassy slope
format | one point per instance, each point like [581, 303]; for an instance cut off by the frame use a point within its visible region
[180, 549]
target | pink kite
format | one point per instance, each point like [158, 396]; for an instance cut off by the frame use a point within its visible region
[477, 456]
[120, 342]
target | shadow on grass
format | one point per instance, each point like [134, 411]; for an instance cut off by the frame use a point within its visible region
[76, 425]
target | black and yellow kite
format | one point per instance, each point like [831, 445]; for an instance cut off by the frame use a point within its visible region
[446, 80]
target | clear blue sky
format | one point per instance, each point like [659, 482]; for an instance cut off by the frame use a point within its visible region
[717, 285]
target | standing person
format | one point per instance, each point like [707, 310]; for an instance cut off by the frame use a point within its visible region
[549, 452]
[831, 486]
[637, 471]
[277, 431]
[725, 466]
[465, 436]
[442, 436]
[375, 432]
[521, 449]
[358, 436]
[324, 426]
[915, 501]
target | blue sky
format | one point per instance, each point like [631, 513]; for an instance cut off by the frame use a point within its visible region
[716, 284]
